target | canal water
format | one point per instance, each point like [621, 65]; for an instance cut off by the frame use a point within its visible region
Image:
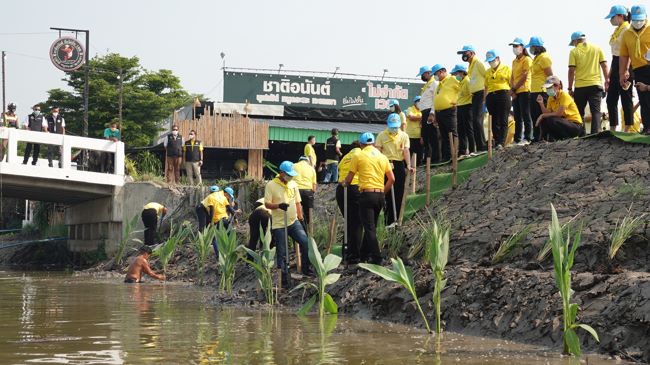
[53, 318]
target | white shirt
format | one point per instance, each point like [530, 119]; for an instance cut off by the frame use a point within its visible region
[616, 45]
[426, 99]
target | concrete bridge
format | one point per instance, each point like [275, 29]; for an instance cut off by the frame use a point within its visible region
[94, 214]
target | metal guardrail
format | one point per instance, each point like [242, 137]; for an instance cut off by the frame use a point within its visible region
[45, 240]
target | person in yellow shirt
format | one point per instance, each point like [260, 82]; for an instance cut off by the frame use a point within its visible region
[427, 96]
[466, 143]
[586, 60]
[282, 197]
[395, 145]
[539, 71]
[306, 181]
[393, 107]
[497, 100]
[351, 253]
[560, 118]
[309, 150]
[635, 50]
[520, 93]
[619, 18]
[445, 108]
[476, 73]
[205, 210]
[414, 130]
[151, 212]
[372, 167]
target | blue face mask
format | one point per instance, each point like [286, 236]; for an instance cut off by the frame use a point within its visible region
[393, 130]
[550, 91]
[459, 77]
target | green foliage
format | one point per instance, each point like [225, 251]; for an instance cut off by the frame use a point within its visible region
[399, 274]
[564, 250]
[29, 230]
[322, 267]
[394, 241]
[632, 190]
[202, 242]
[228, 257]
[263, 264]
[127, 232]
[507, 247]
[543, 253]
[624, 229]
[148, 98]
[149, 163]
[166, 250]
[130, 167]
[426, 235]
[438, 256]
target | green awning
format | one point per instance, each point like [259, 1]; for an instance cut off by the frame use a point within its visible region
[299, 130]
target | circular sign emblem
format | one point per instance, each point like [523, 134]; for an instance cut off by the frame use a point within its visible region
[67, 54]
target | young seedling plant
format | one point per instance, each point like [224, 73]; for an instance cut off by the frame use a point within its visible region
[399, 274]
[166, 250]
[563, 254]
[322, 267]
[228, 257]
[263, 264]
[624, 229]
[507, 247]
[202, 243]
[438, 256]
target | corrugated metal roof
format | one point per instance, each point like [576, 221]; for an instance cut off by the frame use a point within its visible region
[325, 126]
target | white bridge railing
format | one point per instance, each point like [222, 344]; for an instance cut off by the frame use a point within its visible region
[14, 164]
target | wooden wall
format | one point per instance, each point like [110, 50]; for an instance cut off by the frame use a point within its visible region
[230, 132]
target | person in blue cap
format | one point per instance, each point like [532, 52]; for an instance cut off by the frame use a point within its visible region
[414, 130]
[205, 209]
[282, 197]
[466, 143]
[585, 59]
[497, 99]
[427, 95]
[634, 50]
[229, 192]
[540, 70]
[476, 72]
[520, 92]
[618, 17]
[393, 107]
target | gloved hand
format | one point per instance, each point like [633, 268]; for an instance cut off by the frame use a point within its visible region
[283, 206]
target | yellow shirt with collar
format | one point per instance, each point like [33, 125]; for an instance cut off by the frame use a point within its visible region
[520, 65]
[633, 38]
[371, 166]
[498, 79]
[464, 95]
[277, 192]
[476, 72]
[617, 38]
[393, 145]
[344, 166]
[538, 76]
[311, 153]
[570, 108]
[218, 202]
[447, 93]
[413, 122]
[158, 207]
[306, 178]
[586, 58]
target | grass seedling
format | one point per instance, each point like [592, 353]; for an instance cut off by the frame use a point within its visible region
[624, 229]
[563, 254]
[127, 232]
[394, 242]
[322, 267]
[228, 257]
[399, 274]
[202, 242]
[507, 247]
[166, 250]
[263, 264]
[438, 256]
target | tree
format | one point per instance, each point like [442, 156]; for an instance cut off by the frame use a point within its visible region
[148, 98]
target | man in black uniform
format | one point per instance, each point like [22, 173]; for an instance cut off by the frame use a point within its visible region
[55, 124]
[332, 155]
[34, 122]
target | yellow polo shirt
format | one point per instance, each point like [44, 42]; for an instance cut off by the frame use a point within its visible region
[158, 207]
[311, 153]
[344, 166]
[306, 178]
[538, 77]
[371, 166]
[570, 108]
[446, 93]
[413, 122]
[464, 95]
[218, 202]
[520, 66]
[392, 145]
[476, 74]
[497, 79]
[586, 58]
[629, 46]
[277, 192]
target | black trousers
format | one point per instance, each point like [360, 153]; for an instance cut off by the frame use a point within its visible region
[477, 120]
[446, 124]
[523, 120]
[53, 151]
[614, 92]
[36, 148]
[352, 248]
[430, 138]
[592, 95]
[399, 169]
[535, 112]
[498, 105]
[417, 148]
[556, 128]
[465, 129]
[203, 216]
[150, 221]
[642, 74]
[307, 203]
[370, 205]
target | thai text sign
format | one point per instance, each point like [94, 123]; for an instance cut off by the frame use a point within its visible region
[316, 92]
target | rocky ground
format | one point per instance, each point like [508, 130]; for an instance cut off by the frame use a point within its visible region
[595, 180]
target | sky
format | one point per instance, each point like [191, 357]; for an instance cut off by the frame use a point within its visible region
[362, 37]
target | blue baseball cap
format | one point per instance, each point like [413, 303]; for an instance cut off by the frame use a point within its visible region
[575, 36]
[230, 192]
[214, 188]
[437, 67]
[393, 102]
[393, 120]
[416, 99]
[638, 12]
[491, 55]
[459, 67]
[366, 138]
[467, 48]
[616, 10]
[287, 168]
[517, 42]
[423, 70]
[535, 41]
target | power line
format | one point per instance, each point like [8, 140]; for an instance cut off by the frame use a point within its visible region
[27, 33]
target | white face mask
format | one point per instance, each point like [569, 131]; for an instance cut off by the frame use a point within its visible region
[393, 130]
[417, 104]
[614, 21]
[55, 115]
[174, 133]
[392, 108]
[494, 64]
[647, 56]
[517, 50]
[191, 136]
[436, 77]
[638, 24]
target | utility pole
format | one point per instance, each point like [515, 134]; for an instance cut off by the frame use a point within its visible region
[120, 77]
[4, 93]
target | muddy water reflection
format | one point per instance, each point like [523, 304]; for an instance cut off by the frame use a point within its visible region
[52, 318]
